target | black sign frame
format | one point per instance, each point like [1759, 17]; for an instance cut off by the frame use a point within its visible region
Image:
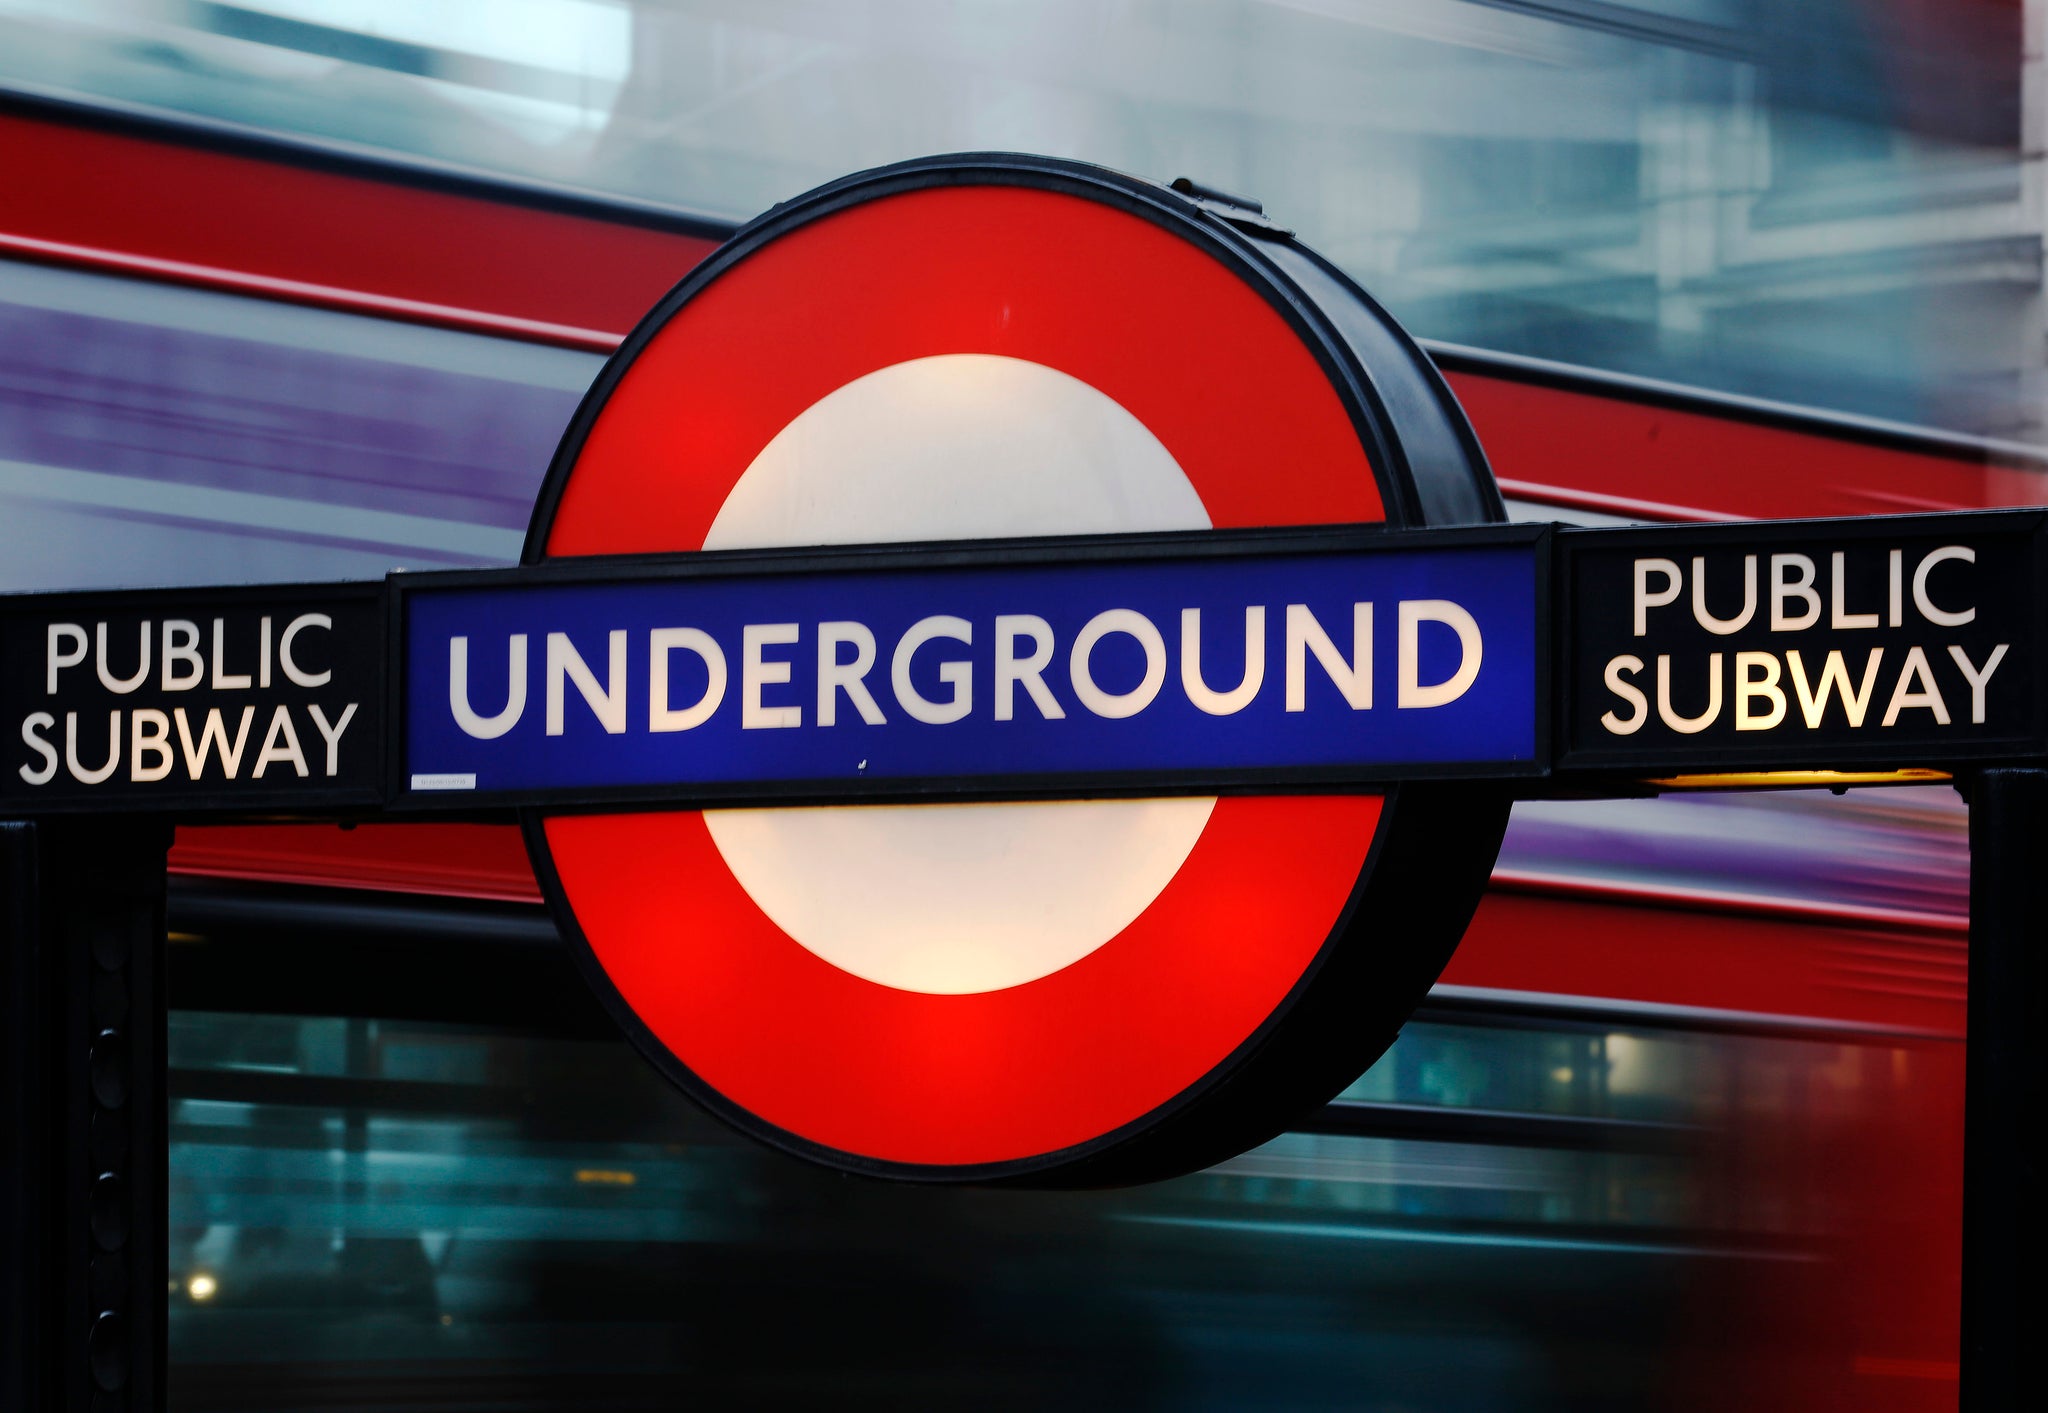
[1561, 765]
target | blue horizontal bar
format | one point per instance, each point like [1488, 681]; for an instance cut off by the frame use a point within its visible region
[1079, 669]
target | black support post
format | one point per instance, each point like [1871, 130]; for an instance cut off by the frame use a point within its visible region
[83, 1282]
[27, 1180]
[2005, 1202]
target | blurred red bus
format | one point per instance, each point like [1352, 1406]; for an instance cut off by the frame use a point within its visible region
[1680, 1126]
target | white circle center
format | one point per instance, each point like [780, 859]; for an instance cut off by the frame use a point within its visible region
[953, 899]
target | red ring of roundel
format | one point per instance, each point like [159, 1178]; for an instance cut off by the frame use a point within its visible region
[901, 1078]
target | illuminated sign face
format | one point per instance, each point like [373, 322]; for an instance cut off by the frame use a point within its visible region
[1053, 991]
[1881, 643]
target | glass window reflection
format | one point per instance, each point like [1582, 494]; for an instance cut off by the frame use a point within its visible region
[1818, 203]
[373, 1210]
[154, 435]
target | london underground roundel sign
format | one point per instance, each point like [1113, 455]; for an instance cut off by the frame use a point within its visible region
[1054, 992]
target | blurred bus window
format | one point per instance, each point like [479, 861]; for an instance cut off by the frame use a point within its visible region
[1818, 202]
[367, 1210]
[151, 434]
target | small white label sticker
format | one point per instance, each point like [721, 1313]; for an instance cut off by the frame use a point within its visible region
[444, 782]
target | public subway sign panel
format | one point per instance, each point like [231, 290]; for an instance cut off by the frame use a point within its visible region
[1908, 641]
[1176, 663]
[187, 699]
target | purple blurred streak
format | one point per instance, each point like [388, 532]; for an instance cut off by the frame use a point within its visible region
[1901, 847]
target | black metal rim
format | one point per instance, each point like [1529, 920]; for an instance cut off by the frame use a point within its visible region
[1171, 1138]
